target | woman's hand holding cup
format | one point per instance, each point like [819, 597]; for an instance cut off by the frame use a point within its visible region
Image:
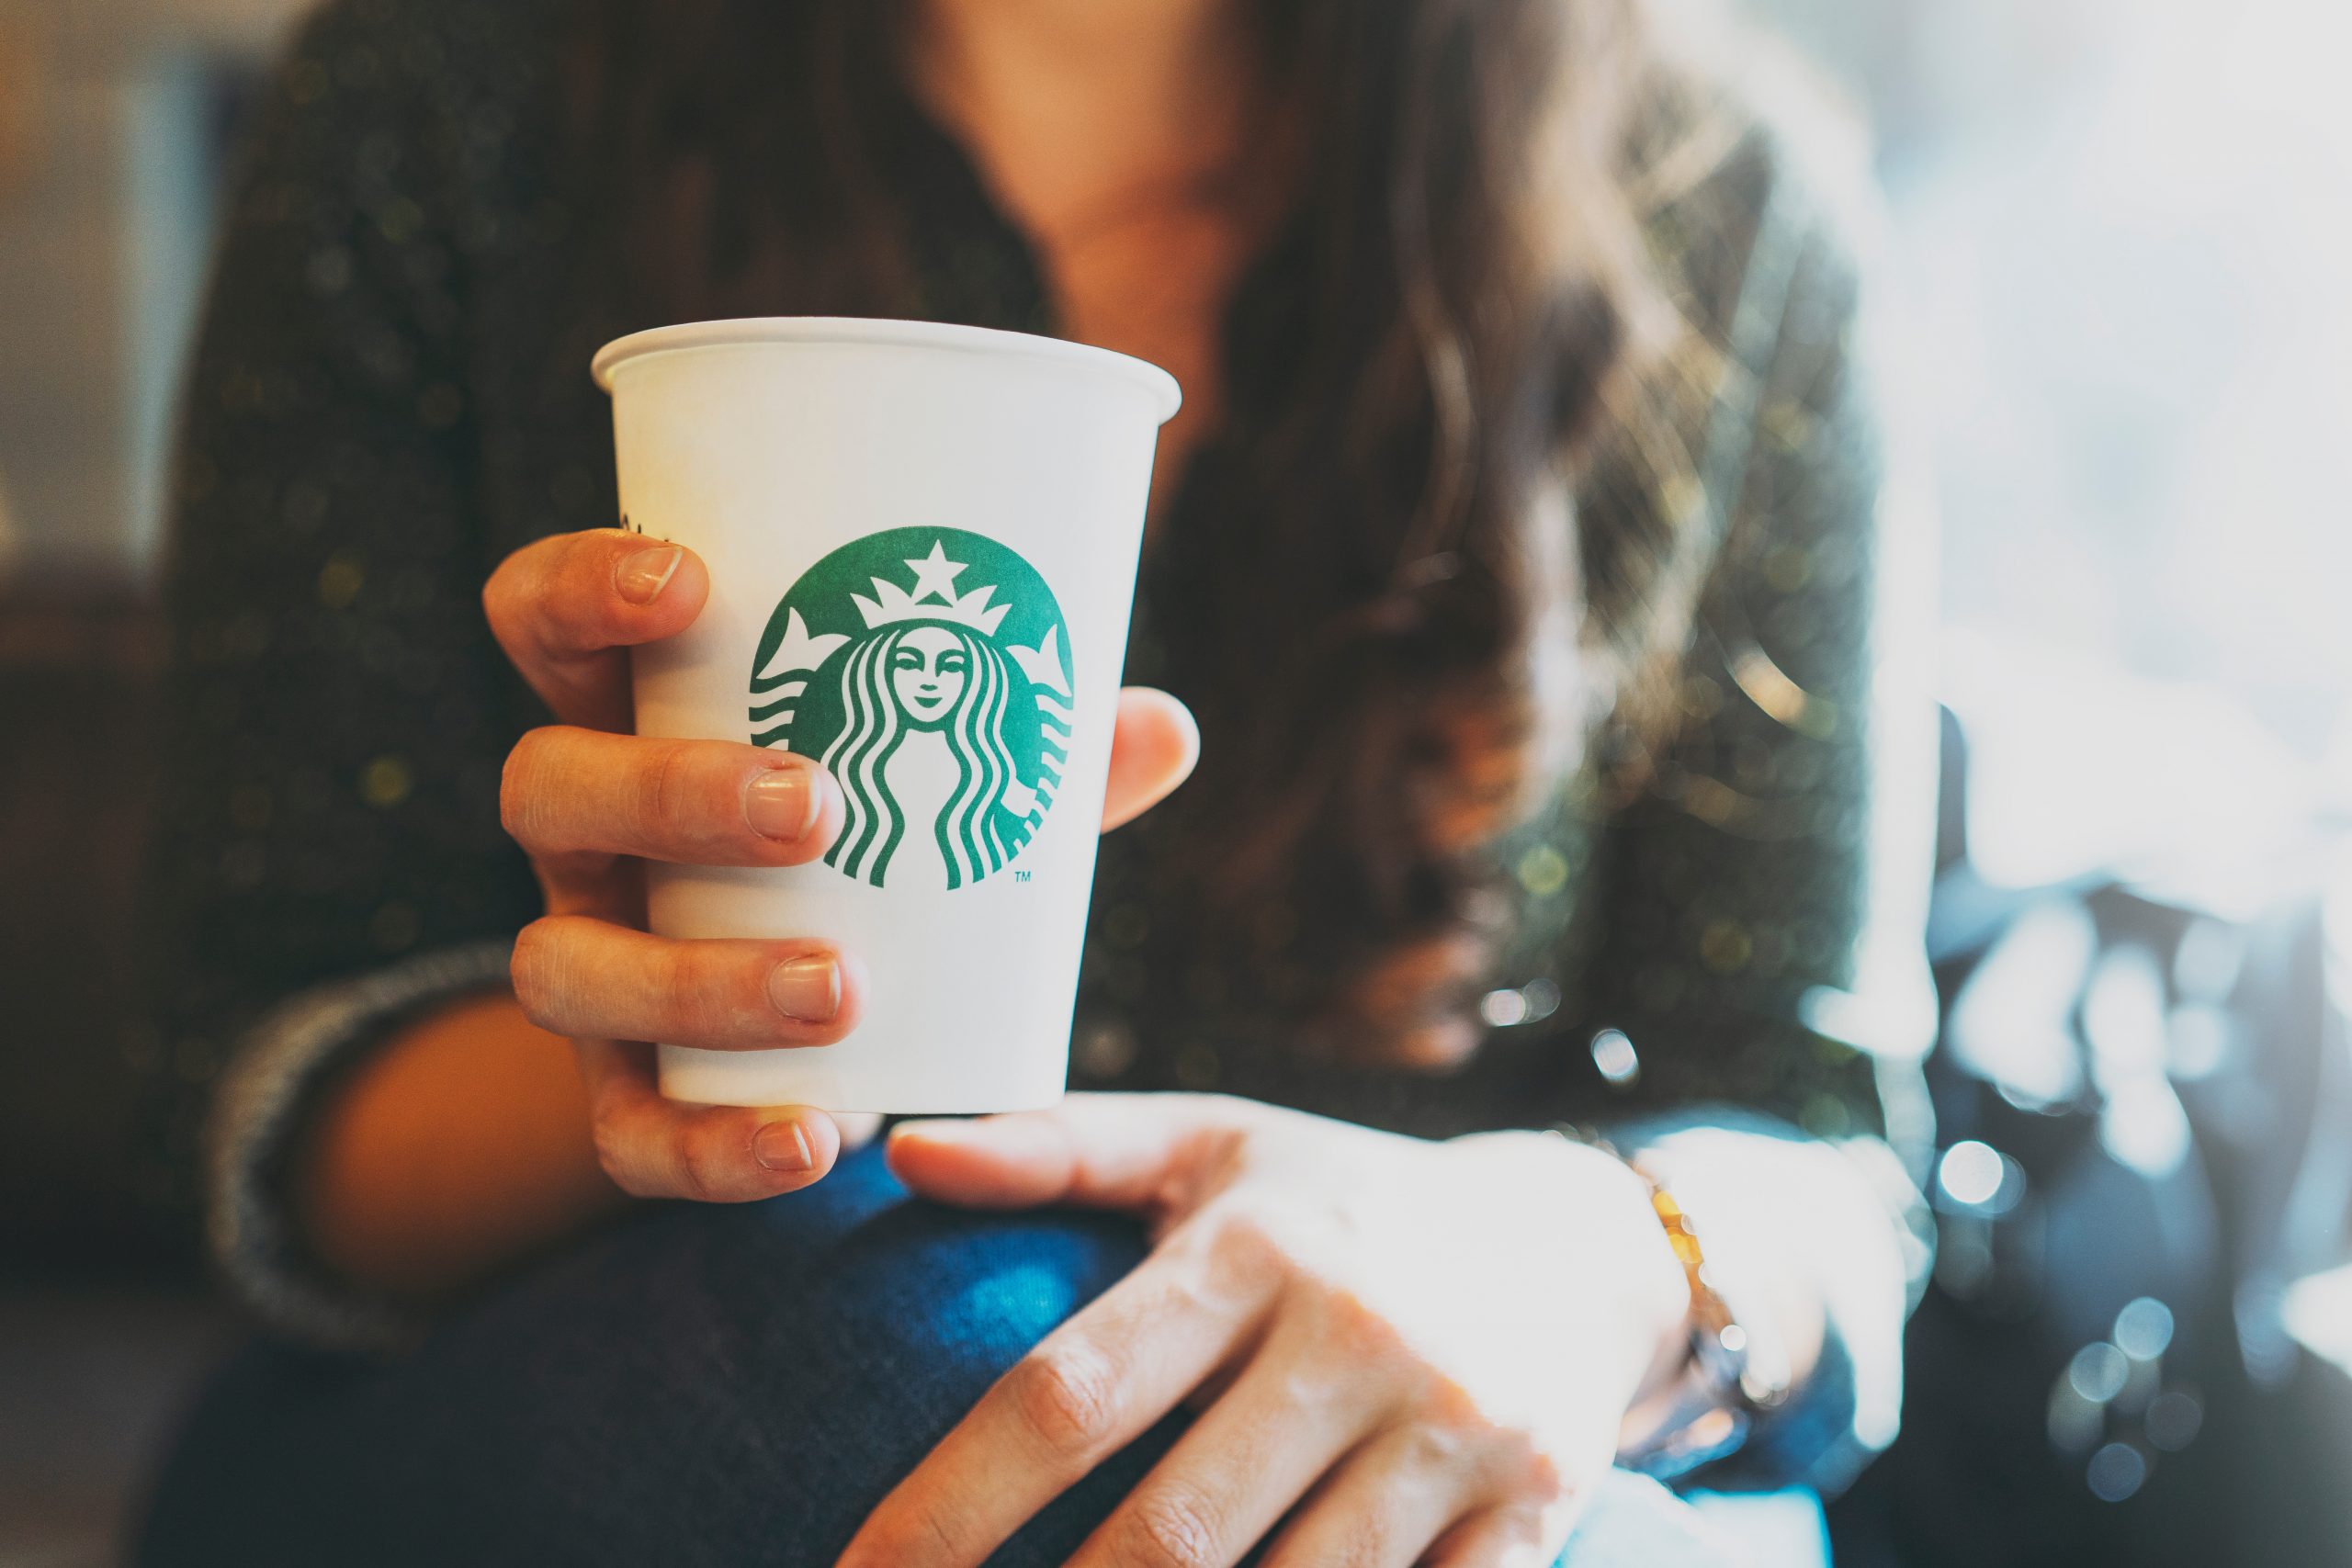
[590, 802]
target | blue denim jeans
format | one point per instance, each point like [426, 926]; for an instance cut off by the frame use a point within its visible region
[699, 1386]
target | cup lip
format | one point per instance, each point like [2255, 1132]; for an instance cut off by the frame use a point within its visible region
[886, 332]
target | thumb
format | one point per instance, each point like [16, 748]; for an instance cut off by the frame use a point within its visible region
[1134, 1152]
[1154, 744]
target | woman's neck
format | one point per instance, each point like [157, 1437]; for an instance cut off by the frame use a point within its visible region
[1130, 143]
[1079, 111]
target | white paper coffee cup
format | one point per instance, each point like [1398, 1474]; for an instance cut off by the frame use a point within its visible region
[921, 542]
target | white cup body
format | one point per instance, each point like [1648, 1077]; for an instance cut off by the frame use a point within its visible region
[781, 451]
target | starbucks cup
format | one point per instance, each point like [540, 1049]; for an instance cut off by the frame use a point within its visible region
[921, 543]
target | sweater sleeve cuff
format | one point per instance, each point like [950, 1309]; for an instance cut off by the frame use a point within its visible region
[271, 1089]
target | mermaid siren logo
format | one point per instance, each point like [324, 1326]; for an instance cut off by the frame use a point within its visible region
[942, 707]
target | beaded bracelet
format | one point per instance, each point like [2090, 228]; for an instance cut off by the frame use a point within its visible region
[1734, 1373]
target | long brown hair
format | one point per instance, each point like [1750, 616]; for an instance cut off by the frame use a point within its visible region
[1393, 625]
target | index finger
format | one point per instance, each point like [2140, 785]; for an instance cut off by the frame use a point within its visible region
[1098, 1151]
[1090, 1388]
[564, 608]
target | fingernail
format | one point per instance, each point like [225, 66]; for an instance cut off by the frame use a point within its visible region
[783, 805]
[782, 1146]
[809, 989]
[642, 576]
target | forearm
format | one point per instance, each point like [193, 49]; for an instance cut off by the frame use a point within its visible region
[460, 1146]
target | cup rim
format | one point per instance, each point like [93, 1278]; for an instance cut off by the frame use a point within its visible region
[883, 332]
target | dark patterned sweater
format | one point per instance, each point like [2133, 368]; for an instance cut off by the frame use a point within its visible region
[390, 394]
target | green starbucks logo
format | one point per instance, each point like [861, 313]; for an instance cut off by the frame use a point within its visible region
[929, 671]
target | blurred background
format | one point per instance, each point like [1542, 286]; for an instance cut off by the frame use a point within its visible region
[2120, 242]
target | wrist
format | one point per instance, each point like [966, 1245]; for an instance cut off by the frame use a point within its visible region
[1604, 1210]
[1737, 1364]
[1658, 1283]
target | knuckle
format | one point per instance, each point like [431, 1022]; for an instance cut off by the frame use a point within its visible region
[518, 781]
[1067, 1394]
[1355, 1330]
[1437, 1447]
[498, 600]
[1245, 1245]
[1168, 1527]
[619, 1142]
[940, 1539]
[528, 597]
[1525, 1476]
[524, 596]
[1445, 1403]
[1371, 1535]
[1247, 1241]
[614, 1156]
[701, 1176]
[666, 803]
[1518, 1524]
[1537, 1477]
[535, 970]
[697, 997]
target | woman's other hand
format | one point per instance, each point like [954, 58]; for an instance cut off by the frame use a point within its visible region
[1402, 1352]
[590, 802]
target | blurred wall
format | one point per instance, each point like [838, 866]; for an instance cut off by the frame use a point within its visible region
[116, 117]
[2124, 228]
[116, 114]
